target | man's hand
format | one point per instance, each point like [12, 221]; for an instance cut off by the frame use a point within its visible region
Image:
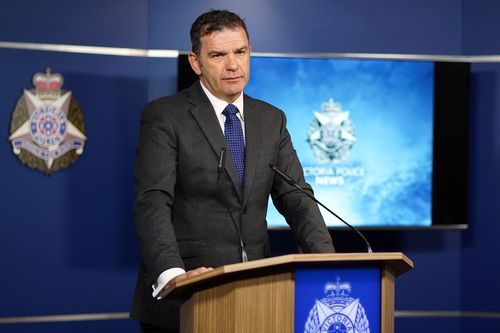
[187, 275]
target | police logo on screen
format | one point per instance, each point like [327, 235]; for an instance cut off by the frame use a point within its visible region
[337, 312]
[331, 133]
[47, 131]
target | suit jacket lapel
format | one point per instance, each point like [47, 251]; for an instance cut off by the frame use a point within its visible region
[204, 114]
[252, 143]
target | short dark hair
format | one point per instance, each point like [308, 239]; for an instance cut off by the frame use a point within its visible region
[211, 21]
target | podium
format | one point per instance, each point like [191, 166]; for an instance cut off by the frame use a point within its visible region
[343, 292]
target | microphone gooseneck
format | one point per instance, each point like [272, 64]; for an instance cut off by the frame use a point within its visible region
[293, 183]
[220, 169]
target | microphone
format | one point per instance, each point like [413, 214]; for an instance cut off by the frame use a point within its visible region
[293, 183]
[220, 168]
[222, 160]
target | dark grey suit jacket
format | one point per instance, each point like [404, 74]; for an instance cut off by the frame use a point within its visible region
[180, 218]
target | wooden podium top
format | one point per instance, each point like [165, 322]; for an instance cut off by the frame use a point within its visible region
[396, 261]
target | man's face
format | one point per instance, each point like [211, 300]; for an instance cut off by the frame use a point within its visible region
[223, 63]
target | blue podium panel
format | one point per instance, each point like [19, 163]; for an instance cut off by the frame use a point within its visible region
[340, 299]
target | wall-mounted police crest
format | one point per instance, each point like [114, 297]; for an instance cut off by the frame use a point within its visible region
[331, 133]
[47, 131]
[337, 312]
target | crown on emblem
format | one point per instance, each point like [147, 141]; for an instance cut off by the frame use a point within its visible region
[48, 85]
[330, 106]
[337, 289]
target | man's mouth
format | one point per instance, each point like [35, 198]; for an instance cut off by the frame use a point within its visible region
[236, 78]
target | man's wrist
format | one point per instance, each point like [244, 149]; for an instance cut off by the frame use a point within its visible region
[165, 278]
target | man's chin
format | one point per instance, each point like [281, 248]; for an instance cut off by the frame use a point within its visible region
[234, 91]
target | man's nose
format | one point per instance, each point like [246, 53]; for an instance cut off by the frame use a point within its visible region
[231, 62]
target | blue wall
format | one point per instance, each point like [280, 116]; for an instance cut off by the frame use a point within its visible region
[67, 243]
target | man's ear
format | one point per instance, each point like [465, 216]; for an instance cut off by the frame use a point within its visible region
[194, 62]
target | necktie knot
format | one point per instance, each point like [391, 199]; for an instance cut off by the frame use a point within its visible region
[230, 110]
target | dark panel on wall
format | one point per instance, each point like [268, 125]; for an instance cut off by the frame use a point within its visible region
[162, 77]
[480, 25]
[427, 325]
[92, 22]
[480, 250]
[121, 326]
[68, 238]
[388, 26]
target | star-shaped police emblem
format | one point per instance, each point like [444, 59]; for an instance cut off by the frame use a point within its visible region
[47, 128]
[337, 312]
[331, 133]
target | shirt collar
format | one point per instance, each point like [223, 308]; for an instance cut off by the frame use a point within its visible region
[219, 104]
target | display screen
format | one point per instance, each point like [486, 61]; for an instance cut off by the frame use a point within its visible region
[363, 131]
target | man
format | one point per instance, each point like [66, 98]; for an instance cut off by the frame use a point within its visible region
[195, 208]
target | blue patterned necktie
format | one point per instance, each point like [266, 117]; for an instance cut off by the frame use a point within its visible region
[235, 141]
